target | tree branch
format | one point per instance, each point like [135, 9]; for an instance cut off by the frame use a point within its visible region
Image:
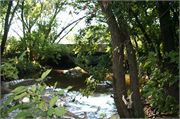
[69, 30]
[7, 24]
[67, 27]
[141, 27]
[13, 13]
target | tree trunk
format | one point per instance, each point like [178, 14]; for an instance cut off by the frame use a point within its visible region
[166, 29]
[119, 86]
[134, 87]
[7, 24]
[6, 28]
[137, 106]
[168, 46]
[23, 40]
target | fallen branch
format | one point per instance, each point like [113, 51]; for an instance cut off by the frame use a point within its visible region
[67, 113]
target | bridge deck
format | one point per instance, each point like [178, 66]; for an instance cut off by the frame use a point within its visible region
[99, 49]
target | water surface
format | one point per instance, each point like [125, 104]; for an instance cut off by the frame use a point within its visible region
[97, 105]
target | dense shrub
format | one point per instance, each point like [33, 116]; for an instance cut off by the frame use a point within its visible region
[157, 89]
[26, 66]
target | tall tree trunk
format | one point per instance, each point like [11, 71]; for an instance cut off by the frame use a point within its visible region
[119, 86]
[137, 106]
[166, 29]
[24, 28]
[7, 24]
[134, 87]
[168, 46]
[167, 35]
[6, 28]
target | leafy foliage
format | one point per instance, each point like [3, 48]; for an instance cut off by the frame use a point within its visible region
[155, 89]
[9, 68]
[12, 47]
[35, 96]
[98, 73]
[142, 18]
[9, 71]
[88, 39]
[42, 30]
[26, 66]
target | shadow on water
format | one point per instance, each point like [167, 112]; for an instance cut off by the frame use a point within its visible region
[65, 80]
[97, 105]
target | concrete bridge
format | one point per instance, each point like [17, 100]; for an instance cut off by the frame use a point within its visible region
[66, 61]
[98, 50]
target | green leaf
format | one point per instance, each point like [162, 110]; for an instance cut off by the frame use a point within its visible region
[37, 110]
[13, 108]
[33, 106]
[69, 87]
[7, 102]
[53, 101]
[53, 93]
[24, 114]
[23, 90]
[39, 79]
[25, 106]
[20, 96]
[12, 96]
[45, 73]
[41, 104]
[3, 111]
[103, 115]
[33, 88]
[59, 111]
[61, 92]
[45, 108]
[116, 10]
[35, 98]
[20, 88]
[22, 55]
[42, 88]
[50, 111]
[55, 84]
[43, 114]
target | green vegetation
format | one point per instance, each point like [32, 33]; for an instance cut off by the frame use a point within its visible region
[35, 96]
[26, 66]
[139, 37]
[9, 69]
[155, 88]
[156, 57]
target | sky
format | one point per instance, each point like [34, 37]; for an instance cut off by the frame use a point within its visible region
[65, 17]
[18, 26]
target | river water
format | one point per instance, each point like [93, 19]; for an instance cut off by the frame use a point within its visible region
[98, 105]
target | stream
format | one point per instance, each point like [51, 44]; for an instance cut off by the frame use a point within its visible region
[98, 105]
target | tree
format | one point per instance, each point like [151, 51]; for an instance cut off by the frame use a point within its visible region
[138, 21]
[138, 28]
[166, 31]
[40, 27]
[118, 41]
[8, 21]
[168, 42]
